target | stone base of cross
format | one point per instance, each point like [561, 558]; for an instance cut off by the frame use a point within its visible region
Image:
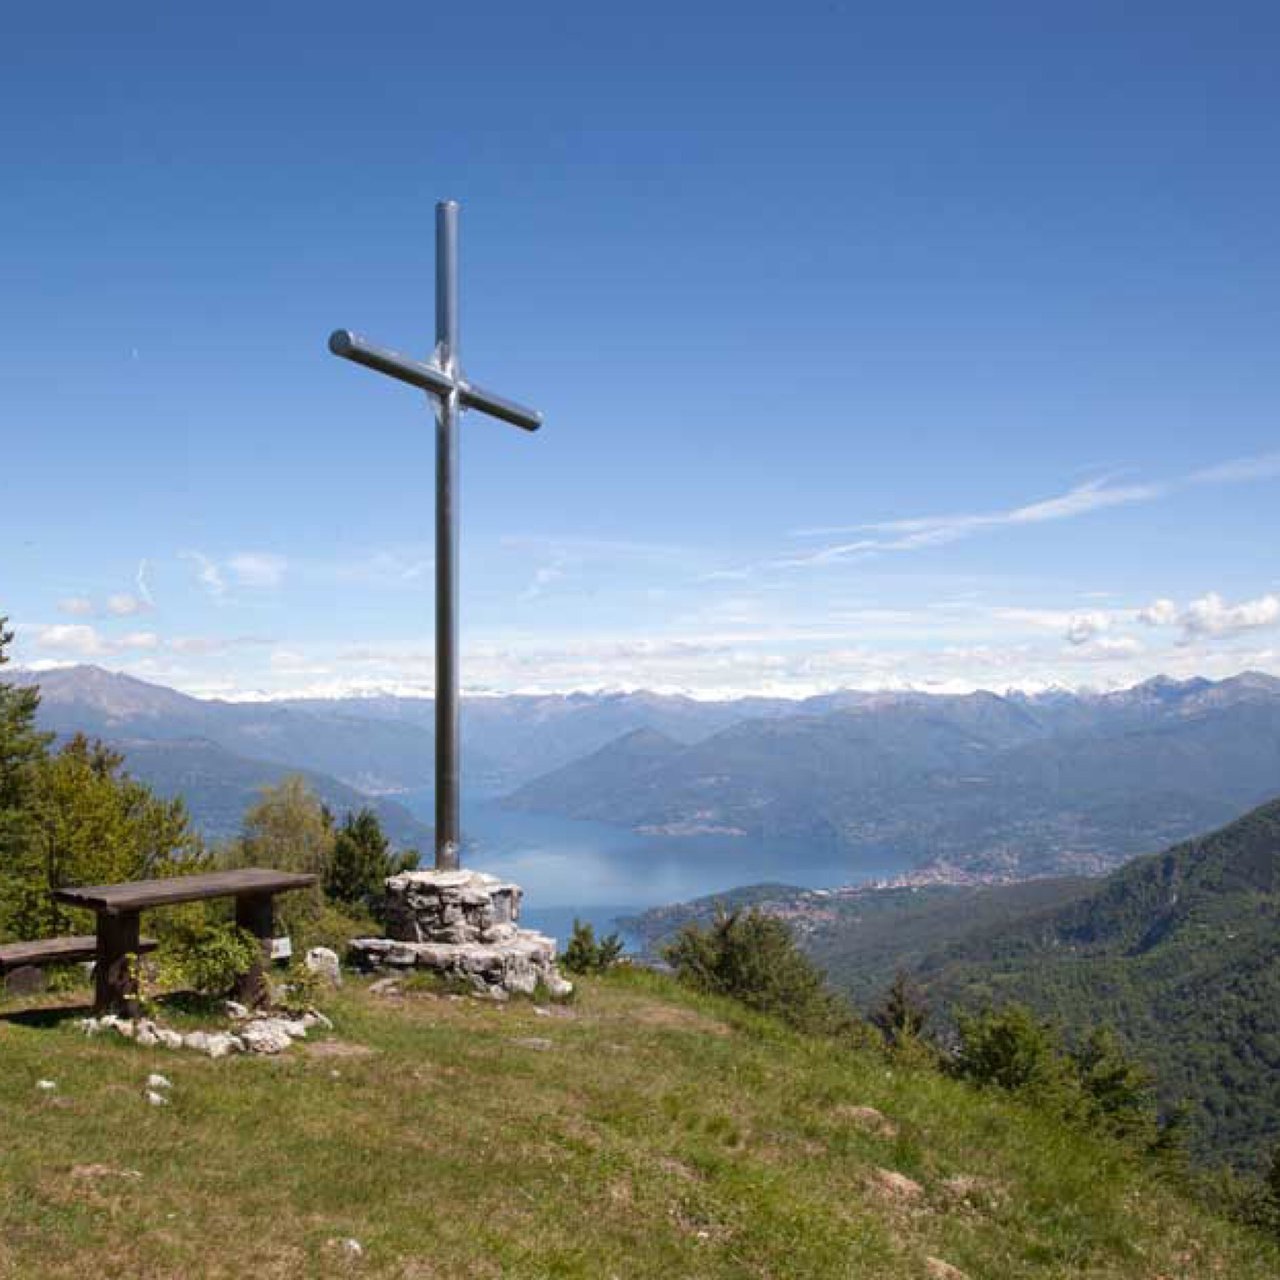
[464, 927]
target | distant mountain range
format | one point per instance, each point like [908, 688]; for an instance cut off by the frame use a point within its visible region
[1018, 785]
[1179, 952]
[1014, 785]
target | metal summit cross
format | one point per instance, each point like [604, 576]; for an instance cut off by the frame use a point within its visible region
[451, 393]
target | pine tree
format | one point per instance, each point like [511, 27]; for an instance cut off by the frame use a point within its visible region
[22, 749]
[361, 861]
[902, 1014]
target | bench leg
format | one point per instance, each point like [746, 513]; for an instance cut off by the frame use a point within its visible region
[116, 989]
[255, 912]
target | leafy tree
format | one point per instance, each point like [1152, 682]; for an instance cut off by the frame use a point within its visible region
[91, 823]
[752, 957]
[288, 830]
[903, 1013]
[361, 862]
[586, 954]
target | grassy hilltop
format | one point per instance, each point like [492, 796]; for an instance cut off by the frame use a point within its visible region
[643, 1131]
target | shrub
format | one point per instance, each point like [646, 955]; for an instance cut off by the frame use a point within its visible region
[211, 957]
[753, 958]
[586, 954]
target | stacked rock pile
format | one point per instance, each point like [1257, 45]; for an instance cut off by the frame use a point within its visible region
[464, 927]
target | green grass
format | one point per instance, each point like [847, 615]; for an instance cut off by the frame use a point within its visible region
[659, 1135]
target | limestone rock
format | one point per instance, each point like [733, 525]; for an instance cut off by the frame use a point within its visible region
[266, 1035]
[871, 1120]
[897, 1186]
[939, 1270]
[221, 1044]
[323, 962]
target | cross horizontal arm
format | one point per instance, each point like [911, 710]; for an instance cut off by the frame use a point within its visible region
[418, 373]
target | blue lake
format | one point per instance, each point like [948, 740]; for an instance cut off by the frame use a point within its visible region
[597, 871]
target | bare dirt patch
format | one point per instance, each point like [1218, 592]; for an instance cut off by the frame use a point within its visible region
[870, 1120]
[675, 1017]
[337, 1049]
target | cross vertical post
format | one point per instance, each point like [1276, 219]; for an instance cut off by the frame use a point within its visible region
[441, 377]
[448, 714]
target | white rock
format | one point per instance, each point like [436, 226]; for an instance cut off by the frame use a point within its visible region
[236, 1011]
[146, 1036]
[558, 988]
[351, 1247]
[266, 1035]
[222, 1044]
[314, 1018]
[197, 1040]
[46, 1086]
[324, 963]
[156, 1099]
[157, 1081]
[170, 1039]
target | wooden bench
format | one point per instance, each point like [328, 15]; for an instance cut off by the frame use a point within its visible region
[18, 959]
[119, 907]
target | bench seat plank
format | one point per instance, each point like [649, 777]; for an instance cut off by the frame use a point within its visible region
[139, 895]
[18, 955]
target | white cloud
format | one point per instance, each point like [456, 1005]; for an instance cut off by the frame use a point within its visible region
[137, 640]
[88, 642]
[257, 568]
[1159, 613]
[76, 606]
[1085, 627]
[1212, 616]
[1107, 648]
[124, 605]
[77, 638]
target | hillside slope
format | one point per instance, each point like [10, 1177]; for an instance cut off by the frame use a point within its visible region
[640, 1133]
[1180, 952]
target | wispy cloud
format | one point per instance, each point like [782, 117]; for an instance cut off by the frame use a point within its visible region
[76, 606]
[261, 569]
[921, 532]
[207, 573]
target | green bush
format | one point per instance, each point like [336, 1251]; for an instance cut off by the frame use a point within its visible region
[211, 957]
[586, 954]
[753, 958]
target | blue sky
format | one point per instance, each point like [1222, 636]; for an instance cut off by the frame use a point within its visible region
[932, 347]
